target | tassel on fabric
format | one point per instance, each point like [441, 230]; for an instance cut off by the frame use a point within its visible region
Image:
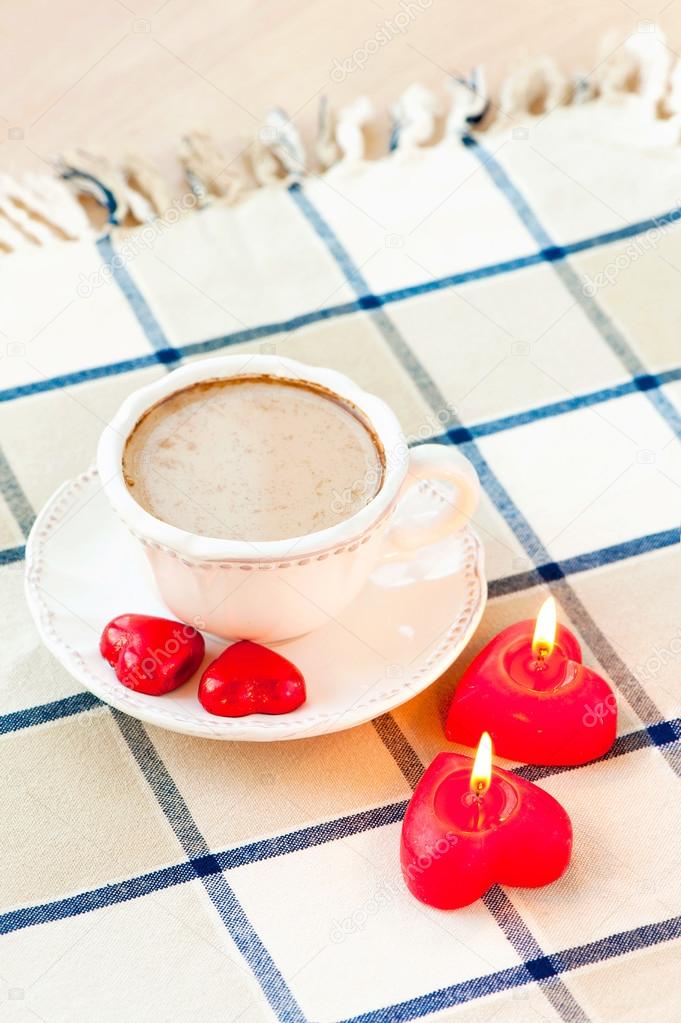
[11, 239]
[326, 148]
[350, 126]
[641, 64]
[583, 89]
[278, 154]
[54, 202]
[469, 103]
[536, 87]
[209, 173]
[93, 175]
[265, 166]
[33, 231]
[285, 143]
[672, 101]
[415, 115]
[147, 181]
[40, 210]
[74, 170]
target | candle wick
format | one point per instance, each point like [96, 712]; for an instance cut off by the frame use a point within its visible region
[540, 660]
[478, 793]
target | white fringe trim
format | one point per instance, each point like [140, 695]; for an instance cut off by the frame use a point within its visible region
[38, 209]
[350, 126]
[415, 115]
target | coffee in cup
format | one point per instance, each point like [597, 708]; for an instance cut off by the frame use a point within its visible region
[253, 458]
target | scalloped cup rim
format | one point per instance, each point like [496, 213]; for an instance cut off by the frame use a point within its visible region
[149, 529]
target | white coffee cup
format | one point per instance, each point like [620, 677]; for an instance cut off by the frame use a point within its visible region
[274, 590]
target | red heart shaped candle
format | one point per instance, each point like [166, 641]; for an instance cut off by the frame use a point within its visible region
[151, 655]
[468, 827]
[530, 690]
[248, 678]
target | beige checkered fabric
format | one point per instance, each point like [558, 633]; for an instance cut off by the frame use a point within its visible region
[527, 282]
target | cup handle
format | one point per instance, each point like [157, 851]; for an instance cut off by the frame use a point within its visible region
[436, 462]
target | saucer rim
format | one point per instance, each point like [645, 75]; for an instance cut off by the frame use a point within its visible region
[257, 727]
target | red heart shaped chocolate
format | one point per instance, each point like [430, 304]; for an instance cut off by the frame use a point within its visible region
[151, 655]
[454, 847]
[564, 713]
[251, 679]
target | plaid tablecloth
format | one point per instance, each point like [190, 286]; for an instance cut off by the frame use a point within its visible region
[515, 294]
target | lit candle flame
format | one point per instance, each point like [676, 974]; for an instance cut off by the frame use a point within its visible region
[481, 775]
[545, 630]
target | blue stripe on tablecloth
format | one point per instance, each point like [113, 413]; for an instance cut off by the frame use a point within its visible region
[610, 333]
[454, 280]
[15, 497]
[644, 382]
[98, 898]
[615, 667]
[268, 329]
[661, 734]
[518, 976]
[316, 834]
[496, 588]
[232, 914]
[84, 376]
[11, 554]
[457, 434]
[17, 720]
[445, 998]
[173, 806]
[203, 865]
[220, 892]
[624, 232]
[19, 506]
[402, 752]
[512, 925]
[170, 354]
[553, 570]
[506, 186]
[158, 778]
[136, 300]
[664, 733]
[525, 944]
[333, 243]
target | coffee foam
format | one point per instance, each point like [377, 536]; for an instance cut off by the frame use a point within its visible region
[253, 458]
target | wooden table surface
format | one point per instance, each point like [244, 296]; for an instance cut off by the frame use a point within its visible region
[119, 75]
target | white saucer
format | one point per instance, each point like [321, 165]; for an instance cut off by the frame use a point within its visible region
[409, 623]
